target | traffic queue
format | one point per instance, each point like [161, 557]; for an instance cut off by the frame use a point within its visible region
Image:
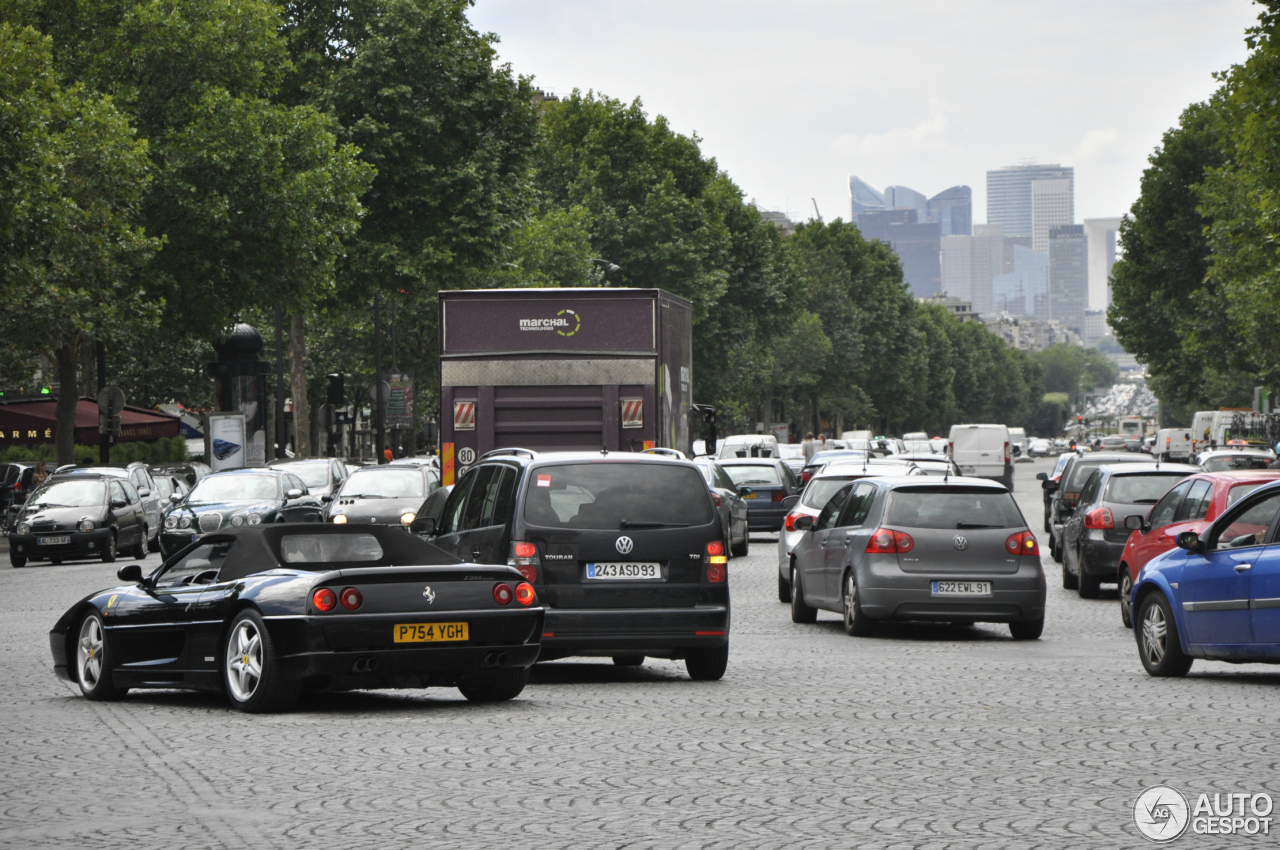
[624, 555]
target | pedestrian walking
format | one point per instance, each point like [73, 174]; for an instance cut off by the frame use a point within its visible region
[809, 448]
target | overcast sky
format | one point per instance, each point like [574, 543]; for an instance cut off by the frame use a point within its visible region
[793, 96]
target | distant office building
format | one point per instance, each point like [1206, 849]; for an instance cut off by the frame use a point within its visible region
[1095, 326]
[902, 198]
[957, 267]
[1068, 275]
[1101, 233]
[1011, 242]
[958, 307]
[952, 209]
[1023, 290]
[778, 219]
[1052, 204]
[971, 263]
[1009, 194]
[864, 197]
[1030, 334]
[918, 246]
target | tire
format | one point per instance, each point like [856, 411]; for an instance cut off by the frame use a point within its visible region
[1055, 549]
[1157, 634]
[1087, 586]
[16, 561]
[251, 672]
[139, 551]
[1069, 581]
[628, 660]
[800, 613]
[1048, 526]
[856, 623]
[153, 545]
[707, 665]
[109, 553]
[742, 550]
[93, 660]
[55, 561]
[784, 588]
[496, 686]
[1126, 597]
[1027, 629]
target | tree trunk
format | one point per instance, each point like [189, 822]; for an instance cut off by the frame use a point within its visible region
[298, 373]
[68, 396]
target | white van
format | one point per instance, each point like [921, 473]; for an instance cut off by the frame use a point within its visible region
[855, 435]
[1018, 440]
[749, 445]
[1201, 428]
[983, 451]
[1173, 444]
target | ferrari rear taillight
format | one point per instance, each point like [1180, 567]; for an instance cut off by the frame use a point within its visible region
[324, 599]
[1099, 518]
[524, 593]
[351, 599]
[886, 541]
[1022, 543]
[502, 594]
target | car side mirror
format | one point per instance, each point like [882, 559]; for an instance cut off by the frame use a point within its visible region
[175, 497]
[804, 523]
[119, 503]
[1042, 476]
[144, 492]
[1189, 540]
[1133, 523]
[326, 498]
[790, 502]
[295, 493]
[129, 573]
[746, 491]
[424, 525]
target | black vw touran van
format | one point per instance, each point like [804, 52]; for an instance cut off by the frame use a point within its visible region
[626, 551]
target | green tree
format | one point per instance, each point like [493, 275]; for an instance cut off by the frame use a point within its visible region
[72, 174]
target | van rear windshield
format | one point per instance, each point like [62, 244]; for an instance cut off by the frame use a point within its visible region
[616, 496]
[952, 507]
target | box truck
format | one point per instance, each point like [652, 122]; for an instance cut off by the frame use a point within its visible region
[563, 370]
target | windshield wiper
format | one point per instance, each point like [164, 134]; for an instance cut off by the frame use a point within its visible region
[51, 505]
[1145, 501]
[626, 523]
[963, 524]
[362, 496]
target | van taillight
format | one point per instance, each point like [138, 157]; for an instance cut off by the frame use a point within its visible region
[715, 497]
[1008, 456]
[524, 557]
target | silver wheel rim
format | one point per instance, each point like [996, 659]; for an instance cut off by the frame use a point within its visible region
[89, 653]
[850, 600]
[1154, 633]
[1126, 587]
[111, 544]
[244, 660]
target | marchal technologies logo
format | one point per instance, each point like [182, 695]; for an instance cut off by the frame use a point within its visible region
[566, 323]
[1161, 813]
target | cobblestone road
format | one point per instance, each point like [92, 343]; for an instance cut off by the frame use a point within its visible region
[919, 737]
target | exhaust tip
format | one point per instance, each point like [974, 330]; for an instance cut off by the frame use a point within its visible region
[502, 659]
[371, 665]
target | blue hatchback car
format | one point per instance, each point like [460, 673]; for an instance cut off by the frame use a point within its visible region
[1217, 595]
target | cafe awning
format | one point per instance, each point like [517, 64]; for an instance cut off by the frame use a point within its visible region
[30, 422]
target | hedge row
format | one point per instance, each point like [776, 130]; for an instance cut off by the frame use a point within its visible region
[168, 450]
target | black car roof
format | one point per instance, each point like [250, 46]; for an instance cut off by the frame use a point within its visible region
[257, 548]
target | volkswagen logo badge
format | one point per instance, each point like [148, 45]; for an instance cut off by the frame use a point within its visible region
[960, 543]
[428, 594]
[624, 545]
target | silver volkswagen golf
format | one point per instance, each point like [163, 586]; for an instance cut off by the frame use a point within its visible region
[956, 550]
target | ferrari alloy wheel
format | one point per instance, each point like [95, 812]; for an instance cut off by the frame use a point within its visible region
[856, 623]
[92, 670]
[1126, 603]
[251, 671]
[1158, 643]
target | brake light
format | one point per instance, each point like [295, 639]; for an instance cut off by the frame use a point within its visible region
[502, 594]
[715, 573]
[886, 541]
[351, 599]
[526, 550]
[524, 557]
[715, 497]
[806, 474]
[1007, 455]
[324, 599]
[1099, 518]
[790, 521]
[1023, 543]
[778, 495]
[524, 593]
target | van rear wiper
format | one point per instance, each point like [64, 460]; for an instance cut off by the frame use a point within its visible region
[963, 524]
[626, 523]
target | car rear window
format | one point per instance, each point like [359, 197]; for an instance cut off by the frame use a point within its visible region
[1239, 491]
[1222, 463]
[820, 491]
[751, 475]
[329, 548]
[1139, 489]
[952, 507]
[1081, 471]
[614, 496]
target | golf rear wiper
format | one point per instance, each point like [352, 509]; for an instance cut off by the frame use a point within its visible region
[963, 524]
[1145, 501]
[626, 523]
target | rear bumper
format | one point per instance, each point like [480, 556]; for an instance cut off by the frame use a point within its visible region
[1101, 557]
[887, 593]
[609, 631]
[82, 545]
[404, 668]
[761, 518]
[787, 541]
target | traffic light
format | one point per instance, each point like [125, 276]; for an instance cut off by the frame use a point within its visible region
[337, 389]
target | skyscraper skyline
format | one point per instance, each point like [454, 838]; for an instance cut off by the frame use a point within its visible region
[1068, 275]
[1009, 194]
[1052, 204]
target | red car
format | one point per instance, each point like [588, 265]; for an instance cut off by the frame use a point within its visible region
[1190, 506]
